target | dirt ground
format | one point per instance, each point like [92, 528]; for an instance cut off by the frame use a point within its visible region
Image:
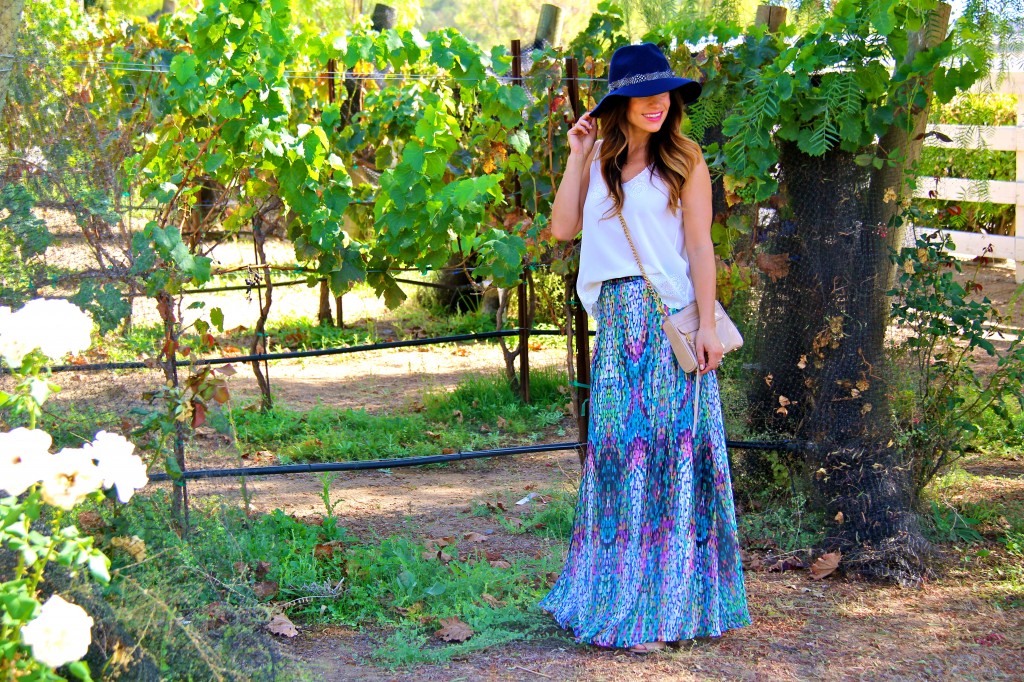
[836, 629]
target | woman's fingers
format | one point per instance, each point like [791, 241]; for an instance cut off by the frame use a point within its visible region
[584, 126]
[709, 357]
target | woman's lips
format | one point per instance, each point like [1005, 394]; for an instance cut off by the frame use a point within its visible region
[654, 118]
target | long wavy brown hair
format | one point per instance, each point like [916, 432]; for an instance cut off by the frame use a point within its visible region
[672, 154]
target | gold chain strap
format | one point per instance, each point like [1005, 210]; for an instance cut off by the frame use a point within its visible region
[654, 292]
[636, 255]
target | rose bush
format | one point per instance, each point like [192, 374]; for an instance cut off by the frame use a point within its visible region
[36, 639]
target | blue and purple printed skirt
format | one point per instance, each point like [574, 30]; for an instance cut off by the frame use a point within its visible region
[654, 554]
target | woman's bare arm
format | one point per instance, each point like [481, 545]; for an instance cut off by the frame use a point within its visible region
[700, 251]
[567, 209]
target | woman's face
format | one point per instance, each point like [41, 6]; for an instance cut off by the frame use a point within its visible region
[648, 114]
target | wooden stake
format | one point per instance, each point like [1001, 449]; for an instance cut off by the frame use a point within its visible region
[549, 26]
[580, 324]
[523, 290]
[772, 16]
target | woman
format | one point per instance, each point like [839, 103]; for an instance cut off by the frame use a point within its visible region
[653, 556]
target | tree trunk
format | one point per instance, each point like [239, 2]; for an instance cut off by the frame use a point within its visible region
[324, 315]
[259, 339]
[819, 339]
[10, 23]
[862, 479]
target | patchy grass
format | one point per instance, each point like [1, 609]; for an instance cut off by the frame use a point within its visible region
[978, 511]
[481, 412]
[784, 524]
[233, 563]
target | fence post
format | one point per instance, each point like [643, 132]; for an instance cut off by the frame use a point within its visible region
[579, 324]
[549, 26]
[1018, 221]
[324, 312]
[524, 289]
[771, 16]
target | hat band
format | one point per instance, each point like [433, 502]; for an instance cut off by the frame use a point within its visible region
[640, 78]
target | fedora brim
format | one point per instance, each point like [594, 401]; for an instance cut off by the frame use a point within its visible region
[690, 90]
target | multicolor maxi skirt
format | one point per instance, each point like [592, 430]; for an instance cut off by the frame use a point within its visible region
[653, 554]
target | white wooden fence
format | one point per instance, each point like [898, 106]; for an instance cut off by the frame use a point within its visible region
[995, 138]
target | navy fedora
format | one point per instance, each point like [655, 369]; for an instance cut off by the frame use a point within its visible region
[641, 71]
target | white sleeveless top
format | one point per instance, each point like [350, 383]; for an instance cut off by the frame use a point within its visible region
[657, 233]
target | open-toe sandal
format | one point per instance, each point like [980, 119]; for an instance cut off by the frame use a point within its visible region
[647, 647]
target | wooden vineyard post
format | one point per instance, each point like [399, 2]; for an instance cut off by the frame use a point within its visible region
[771, 16]
[1018, 221]
[524, 289]
[324, 313]
[332, 70]
[549, 26]
[579, 325]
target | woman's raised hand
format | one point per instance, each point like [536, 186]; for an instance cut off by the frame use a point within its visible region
[583, 135]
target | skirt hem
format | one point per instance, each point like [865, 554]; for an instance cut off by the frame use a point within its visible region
[625, 643]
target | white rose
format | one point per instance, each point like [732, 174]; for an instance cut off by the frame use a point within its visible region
[69, 476]
[59, 634]
[12, 347]
[23, 453]
[54, 326]
[117, 464]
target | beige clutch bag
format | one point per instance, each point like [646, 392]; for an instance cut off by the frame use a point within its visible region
[682, 327]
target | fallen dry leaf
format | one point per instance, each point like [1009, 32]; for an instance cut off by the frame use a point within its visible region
[443, 557]
[437, 543]
[789, 563]
[262, 569]
[803, 362]
[991, 639]
[265, 589]
[281, 625]
[500, 563]
[502, 422]
[326, 550]
[134, 546]
[840, 518]
[453, 630]
[91, 521]
[515, 522]
[492, 601]
[825, 565]
[473, 536]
